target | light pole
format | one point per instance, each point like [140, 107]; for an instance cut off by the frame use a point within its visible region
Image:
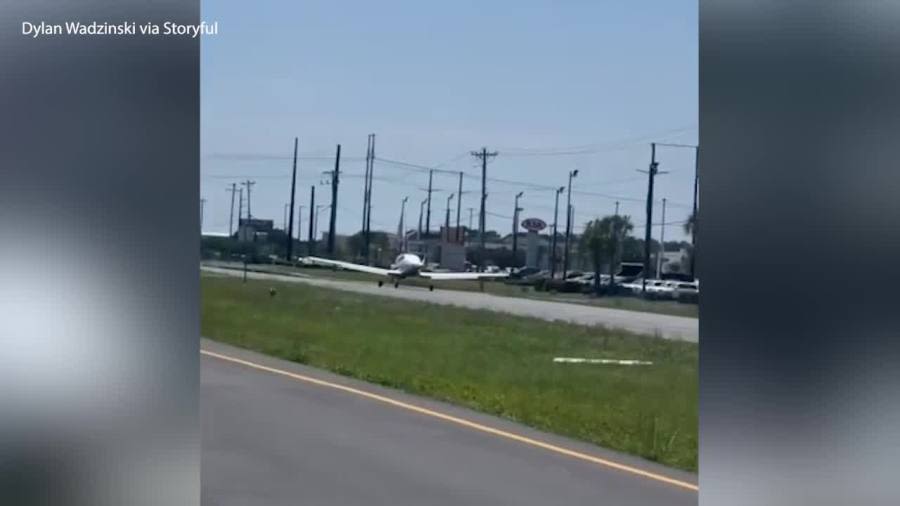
[515, 229]
[662, 242]
[403, 224]
[572, 174]
[447, 223]
[316, 222]
[421, 210]
[553, 240]
[694, 214]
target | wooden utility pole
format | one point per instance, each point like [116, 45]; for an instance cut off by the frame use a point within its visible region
[367, 200]
[428, 207]
[651, 174]
[335, 180]
[240, 207]
[311, 239]
[483, 155]
[248, 183]
[459, 207]
[233, 190]
[290, 224]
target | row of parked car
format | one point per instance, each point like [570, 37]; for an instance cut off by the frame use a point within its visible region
[583, 282]
[666, 289]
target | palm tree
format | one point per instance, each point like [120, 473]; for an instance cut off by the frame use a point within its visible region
[601, 239]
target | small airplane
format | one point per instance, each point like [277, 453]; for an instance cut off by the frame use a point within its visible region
[406, 265]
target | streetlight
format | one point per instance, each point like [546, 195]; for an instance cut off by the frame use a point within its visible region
[515, 229]
[572, 174]
[421, 211]
[316, 221]
[403, 225]
[553, 241]
[447, 224]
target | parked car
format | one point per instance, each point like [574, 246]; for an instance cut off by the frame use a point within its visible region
[686, 292]
[523, 272]
[574, 274]
[660, 289]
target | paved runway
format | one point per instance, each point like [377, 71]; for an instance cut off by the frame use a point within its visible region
[669, 327]
[269, 439]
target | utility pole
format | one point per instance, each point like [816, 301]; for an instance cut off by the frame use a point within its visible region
[335, 180]
[484, 156]
[572, 174]
[515, 229]
[459, 207]
[428, 213]
[233, 190]
[240, 206]
[553, 240]
[615, 255]
[290, 218]
[248, 183]
[311, 238]
[202, 205]
[403, 224]
[694, 215]
[365, 208]
[651, 174]
[367, 203]
[471, 213]
[662, 242]
[447, 222]
[299, 223]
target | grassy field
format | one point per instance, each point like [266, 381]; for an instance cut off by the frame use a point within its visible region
[491, 362]
[508, 290]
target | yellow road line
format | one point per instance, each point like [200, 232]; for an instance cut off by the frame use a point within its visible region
[460, 421]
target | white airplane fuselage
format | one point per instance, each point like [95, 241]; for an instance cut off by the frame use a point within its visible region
[408, 264]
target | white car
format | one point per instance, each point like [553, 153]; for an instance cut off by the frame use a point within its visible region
[633, 286]
[660, 289]
[685, 290]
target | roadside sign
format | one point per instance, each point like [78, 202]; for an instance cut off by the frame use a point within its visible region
[533, 224]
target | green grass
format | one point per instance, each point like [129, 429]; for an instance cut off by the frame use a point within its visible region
[487, 361]
[667, 307]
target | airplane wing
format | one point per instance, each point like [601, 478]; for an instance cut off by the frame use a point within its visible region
[352, 267]
[439, 276]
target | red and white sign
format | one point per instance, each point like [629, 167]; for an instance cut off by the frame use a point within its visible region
[533, 224]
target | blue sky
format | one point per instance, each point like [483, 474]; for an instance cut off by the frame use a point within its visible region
[552, 86]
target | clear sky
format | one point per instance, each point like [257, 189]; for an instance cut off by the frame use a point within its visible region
[551, 86]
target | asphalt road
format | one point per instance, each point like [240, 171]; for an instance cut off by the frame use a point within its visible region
[269, 439]
[666, 326]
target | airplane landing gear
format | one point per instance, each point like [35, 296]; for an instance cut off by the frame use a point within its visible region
[380, 283]
[396, 284]
[430, 288]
